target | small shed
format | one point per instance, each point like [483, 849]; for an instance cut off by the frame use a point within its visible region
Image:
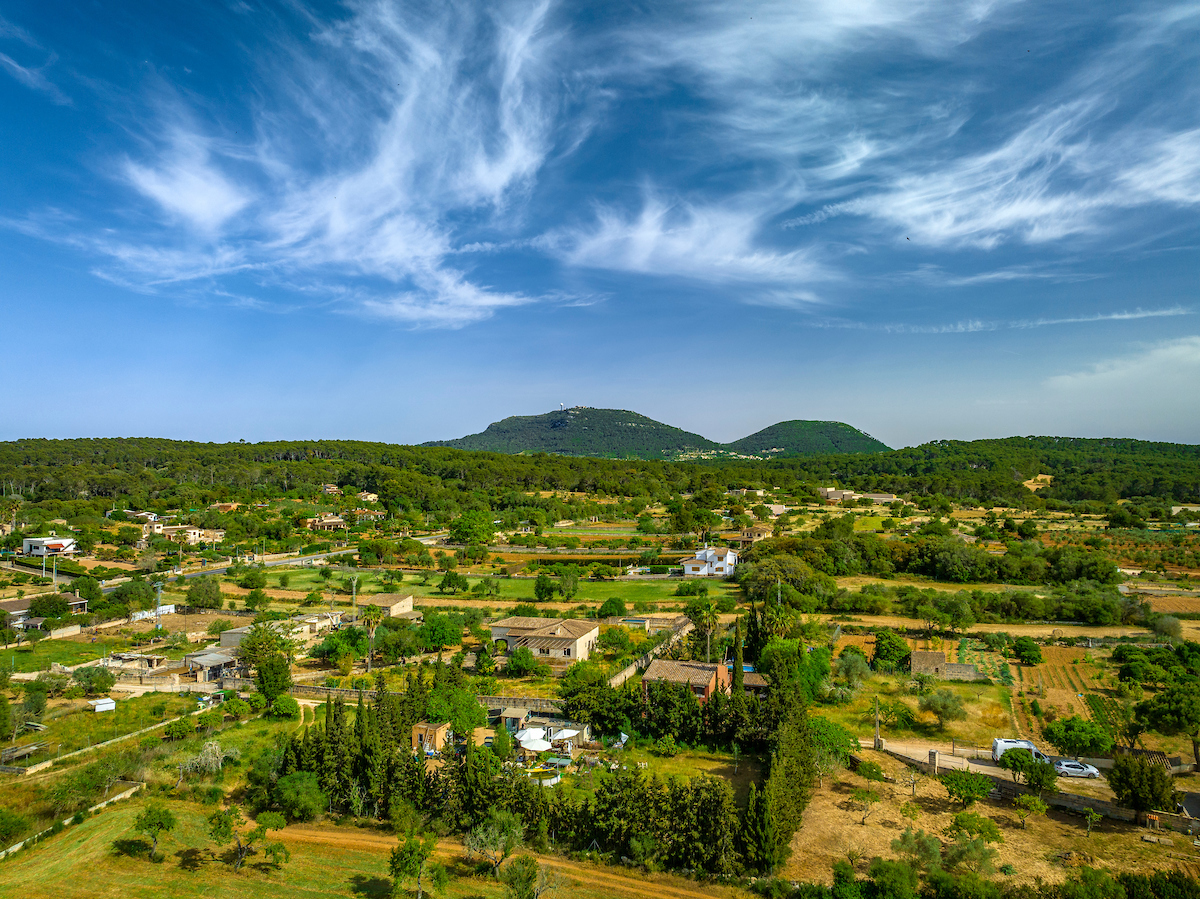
[103, 704]
[514, 718]
[428, 737]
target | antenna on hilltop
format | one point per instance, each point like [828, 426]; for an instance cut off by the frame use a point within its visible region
[562, 406]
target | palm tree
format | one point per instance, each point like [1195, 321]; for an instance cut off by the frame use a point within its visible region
[704, 617]
[371, 616]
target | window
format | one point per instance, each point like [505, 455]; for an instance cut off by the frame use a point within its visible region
[544, 651]
[567, 652]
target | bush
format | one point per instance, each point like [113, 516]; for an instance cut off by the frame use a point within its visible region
[95, 679]
[236, 708]
[257, 702]
[11, 825]
[613, 607]
[300, 796]
[286, 708]
[180, 729]
[253, 579]
[521, 662]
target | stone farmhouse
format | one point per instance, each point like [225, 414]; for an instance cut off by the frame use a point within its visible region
[927, 662]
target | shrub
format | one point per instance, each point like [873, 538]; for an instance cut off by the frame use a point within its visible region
[180, 729]
[236, 708]
[613, 607]
[11, 825]
[257, 702]
[285, 707]
[299, 795]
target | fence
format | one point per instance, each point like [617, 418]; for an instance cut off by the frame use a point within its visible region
[629, 671]
[1069, 802]
[151, 613]
[66, 822]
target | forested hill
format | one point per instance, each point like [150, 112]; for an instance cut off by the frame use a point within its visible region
[144, 472]
[618, 434]
[1081, 469]
[807, 438]
[580, 431]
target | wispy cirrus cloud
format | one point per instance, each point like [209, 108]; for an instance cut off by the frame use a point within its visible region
[372, 144]
[974, 326]
[32, 76]
[708, 243]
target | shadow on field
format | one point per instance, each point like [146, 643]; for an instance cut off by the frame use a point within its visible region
[374, 887]
[189, 859]
[133, 848]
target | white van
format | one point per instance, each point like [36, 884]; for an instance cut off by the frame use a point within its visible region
[999, 747]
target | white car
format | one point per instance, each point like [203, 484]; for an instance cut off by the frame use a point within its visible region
[1068, 768]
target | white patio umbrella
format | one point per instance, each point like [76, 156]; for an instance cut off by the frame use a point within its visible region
[564, 734]
[535, 745]
[531, 733]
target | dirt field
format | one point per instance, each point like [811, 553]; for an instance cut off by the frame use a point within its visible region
[1172, 604]
[832, 828]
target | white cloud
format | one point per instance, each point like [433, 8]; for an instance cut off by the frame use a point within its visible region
[1150, 390]
[370, 141]
[33, 77]
[710, 243]
[187, 184]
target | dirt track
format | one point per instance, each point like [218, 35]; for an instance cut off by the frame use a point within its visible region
[572, 873]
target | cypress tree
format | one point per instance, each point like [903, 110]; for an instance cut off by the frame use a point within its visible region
[5, 718]
[739, 677]
[761, 845]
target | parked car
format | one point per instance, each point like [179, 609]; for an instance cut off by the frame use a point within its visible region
[1068, 768]
[1001, 746]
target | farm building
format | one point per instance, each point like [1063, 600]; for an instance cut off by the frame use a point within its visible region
[393, 604]
[928, 662]
[103, 704]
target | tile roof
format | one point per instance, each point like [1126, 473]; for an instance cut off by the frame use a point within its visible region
[696, 674]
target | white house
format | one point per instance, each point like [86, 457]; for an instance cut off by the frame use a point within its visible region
[711, 562]
[48, 546]
[559, 642]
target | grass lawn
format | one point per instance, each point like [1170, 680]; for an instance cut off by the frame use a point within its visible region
[39, 657]
[512, 590]
[105, 857]
[692, 762]
[71, 723]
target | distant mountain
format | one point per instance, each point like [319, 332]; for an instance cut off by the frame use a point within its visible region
[581, 431]
[620, 434]
[807, 438]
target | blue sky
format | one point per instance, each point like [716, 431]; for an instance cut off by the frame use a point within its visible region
[399, 221]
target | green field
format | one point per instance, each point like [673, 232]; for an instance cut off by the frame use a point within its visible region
[511, 589]
[72, 724]
[39, 657]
